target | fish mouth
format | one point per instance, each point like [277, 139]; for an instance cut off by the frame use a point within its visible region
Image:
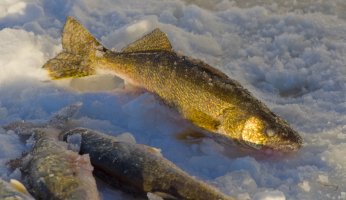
[285, 146]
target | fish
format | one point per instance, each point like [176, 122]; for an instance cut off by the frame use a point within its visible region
[140, 167]
[200, 93]
[54, 172]
[13, 190]
[51, 170]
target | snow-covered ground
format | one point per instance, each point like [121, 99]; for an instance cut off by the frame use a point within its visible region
[290, 54]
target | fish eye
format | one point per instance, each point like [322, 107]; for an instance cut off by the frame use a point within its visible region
[270, 132]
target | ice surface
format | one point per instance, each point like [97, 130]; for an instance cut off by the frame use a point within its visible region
[289, 54]
[10, 148]
[269, 195]
[152, 196]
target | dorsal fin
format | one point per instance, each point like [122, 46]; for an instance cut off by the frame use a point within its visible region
[154, 41]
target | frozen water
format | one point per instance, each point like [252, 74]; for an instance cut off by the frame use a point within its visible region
[74, 142]
[269, 195]
[289, 54]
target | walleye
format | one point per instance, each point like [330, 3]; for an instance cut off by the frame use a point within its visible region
[200, 93]
[141, 167]
[51, 170]
[14, 190]
[54, 172]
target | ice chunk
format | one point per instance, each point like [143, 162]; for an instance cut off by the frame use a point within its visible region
[12, 8]
[305, 186]
[74, 142]
[237, 182]
[28, 49]
[323, 179]
[126, 137]
[152, 196]
[10, 146]
[16, 174]
[269, 195]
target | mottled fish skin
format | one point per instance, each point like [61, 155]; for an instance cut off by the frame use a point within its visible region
[141, 167]
[200, 93]
[9, 192]
[53, 172]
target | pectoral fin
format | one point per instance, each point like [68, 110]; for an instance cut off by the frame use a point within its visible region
[202, 119]
[18, 186]
[154, 41]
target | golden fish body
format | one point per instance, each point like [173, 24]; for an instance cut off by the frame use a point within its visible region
[200, 93]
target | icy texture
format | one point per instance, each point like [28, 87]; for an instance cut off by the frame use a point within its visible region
[10, 148]
[74, 142]
[289, 54]
[269, 195]
[126, 137]
[152, 196]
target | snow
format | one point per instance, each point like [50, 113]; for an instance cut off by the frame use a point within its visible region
[74, 142]
[269, 195]
[289, 54]
[12, 8]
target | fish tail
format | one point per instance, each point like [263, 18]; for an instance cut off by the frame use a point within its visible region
[79, 52]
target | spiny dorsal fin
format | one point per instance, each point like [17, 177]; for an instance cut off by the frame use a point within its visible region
[154, 41]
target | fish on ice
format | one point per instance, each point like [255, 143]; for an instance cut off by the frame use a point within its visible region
[140, 168]
[200, 93]
[54, 172]
[51, 170]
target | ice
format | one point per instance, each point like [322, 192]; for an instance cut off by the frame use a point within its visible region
[12, 8]
[74, 142]
[152, 196]
[289, 54]
[239, 182]
[21, 48]
[126, 137]
[10, 145]
[269, 195]
[10, 148]
[305, 186]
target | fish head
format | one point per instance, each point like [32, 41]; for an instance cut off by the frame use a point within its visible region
[269, 135]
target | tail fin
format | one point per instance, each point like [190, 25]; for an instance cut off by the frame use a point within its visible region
[78, 55]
